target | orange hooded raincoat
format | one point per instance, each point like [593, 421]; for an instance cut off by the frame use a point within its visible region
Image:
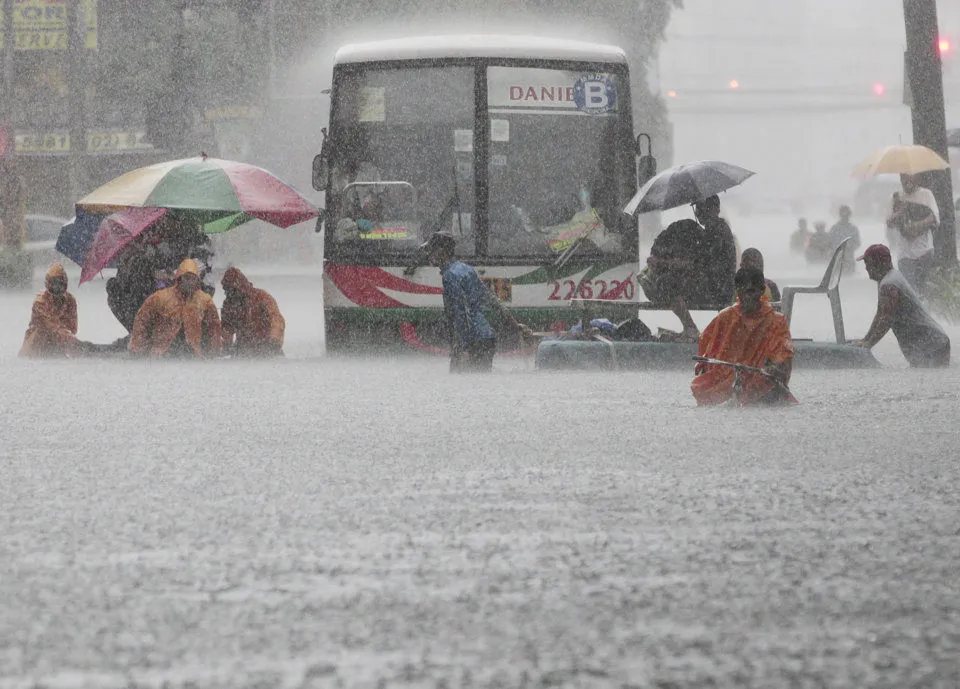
[252, 315]
[750, 339]
[165, 313]
[53, 321]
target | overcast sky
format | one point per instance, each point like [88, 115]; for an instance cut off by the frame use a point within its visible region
[805, 108]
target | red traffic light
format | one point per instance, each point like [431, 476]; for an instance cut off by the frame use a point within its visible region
[944, 46]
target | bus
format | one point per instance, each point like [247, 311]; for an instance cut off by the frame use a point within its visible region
[522, 148]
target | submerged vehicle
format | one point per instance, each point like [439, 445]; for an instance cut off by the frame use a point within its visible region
[521, 147]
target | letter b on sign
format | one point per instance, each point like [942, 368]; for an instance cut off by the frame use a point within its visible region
[595, 94]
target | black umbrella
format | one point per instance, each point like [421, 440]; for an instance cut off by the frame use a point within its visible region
[687, 183]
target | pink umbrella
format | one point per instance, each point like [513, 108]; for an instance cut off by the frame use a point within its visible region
[116, 232]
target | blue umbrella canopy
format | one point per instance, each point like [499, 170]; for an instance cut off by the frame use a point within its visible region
[684, 184]
[77, 235]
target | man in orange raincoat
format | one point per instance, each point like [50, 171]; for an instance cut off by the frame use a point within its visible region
[751, 333]
[252, 316]
[181, 320]
[53, 322]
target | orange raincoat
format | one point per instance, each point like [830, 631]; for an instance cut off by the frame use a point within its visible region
[166, 313]
[750, 339]
[252, 315]
[53, 321]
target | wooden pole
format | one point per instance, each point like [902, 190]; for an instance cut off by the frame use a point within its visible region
[925, 79]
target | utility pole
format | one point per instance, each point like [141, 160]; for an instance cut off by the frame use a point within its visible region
[76, 35]
[272, 48]
[6, 104]
[925, 78]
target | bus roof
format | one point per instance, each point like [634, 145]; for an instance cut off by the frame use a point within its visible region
[475, 45]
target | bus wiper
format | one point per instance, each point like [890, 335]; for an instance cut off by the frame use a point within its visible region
[452, 205]
[569, 251]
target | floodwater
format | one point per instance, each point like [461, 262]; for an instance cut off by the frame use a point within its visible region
[319, 522]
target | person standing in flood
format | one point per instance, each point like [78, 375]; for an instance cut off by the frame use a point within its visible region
[844, 229]
[914, 215]
[472, 340]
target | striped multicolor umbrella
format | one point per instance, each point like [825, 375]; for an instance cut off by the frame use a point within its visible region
[216, 194]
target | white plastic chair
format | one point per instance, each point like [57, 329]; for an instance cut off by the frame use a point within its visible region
[830, 285]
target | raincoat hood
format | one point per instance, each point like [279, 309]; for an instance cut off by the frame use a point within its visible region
[55, 271]
[234, 279]
[187, 265]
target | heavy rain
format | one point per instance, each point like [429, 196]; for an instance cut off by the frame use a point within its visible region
[357, 513]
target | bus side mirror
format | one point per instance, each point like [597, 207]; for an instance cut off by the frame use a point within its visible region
[646, 169]
[321, 165]
[646, 163]
[321, 172]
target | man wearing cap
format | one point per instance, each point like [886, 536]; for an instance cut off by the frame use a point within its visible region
[750, 332]
[472, 341]
[181, 320]
[922, 341]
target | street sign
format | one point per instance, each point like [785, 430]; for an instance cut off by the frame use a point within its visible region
[99, 141]
[42, 24]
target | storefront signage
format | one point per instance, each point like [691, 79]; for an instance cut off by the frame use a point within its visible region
[98, 141]
[42, 24]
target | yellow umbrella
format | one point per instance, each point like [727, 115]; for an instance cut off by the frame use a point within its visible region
[902, 159]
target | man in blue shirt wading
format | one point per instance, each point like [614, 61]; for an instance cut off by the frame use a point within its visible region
[472, 340]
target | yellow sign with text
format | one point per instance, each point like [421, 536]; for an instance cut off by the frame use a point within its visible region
[42, 24]
[98, 141]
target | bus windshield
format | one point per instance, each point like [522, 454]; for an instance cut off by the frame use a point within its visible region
[554, 174]
[553, 160]
[403, 158]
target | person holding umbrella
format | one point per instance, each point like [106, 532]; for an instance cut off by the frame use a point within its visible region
[717, 253]
[914, 215]
[672, 271]
[701, 255]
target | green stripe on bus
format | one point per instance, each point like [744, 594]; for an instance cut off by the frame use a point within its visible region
[528, 315]
[548, 273]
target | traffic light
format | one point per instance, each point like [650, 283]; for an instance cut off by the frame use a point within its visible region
[944, 45]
